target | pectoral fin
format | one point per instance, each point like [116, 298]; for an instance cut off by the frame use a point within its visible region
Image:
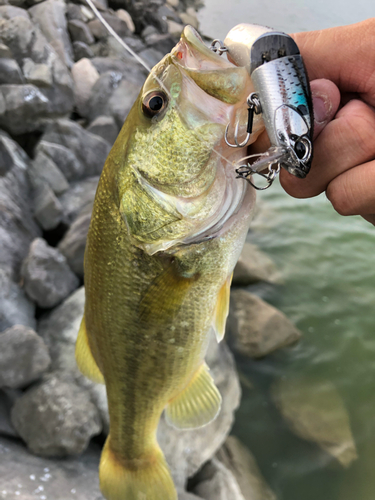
[85, 360]
[222, 309]
[197, 405]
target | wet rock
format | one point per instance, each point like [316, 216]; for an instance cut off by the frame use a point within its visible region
[74, 242]
[80, 195]
[238, 459]
[84, 76]
[26, 476]
[46, 275]
[81, 50]
[315, 411]
[255, 328]
[10, 72]
[216, 482]
[15, 307]
[187, 451]
[47, 208]
[90, 150]
[7, 398]
[65, 159]
[126, 17]
[50, 17]
[24, 106]
[79, 32]
[63, 411]
[44, 170]
[254, 266]
[37, 74]
[106, 127]
[23, 357]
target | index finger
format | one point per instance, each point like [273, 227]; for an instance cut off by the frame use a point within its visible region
[344, 55]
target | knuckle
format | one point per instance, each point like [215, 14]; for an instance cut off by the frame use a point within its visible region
[340, 199]
[360, 121]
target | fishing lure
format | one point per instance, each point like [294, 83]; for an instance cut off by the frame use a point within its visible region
[282, 95]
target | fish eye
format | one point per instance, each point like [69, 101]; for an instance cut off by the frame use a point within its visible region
[154, 103]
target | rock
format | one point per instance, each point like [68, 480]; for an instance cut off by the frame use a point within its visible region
[254, 266]
[46, 275]
[81, 50]
[90, 150]
[37, 74]
[17, 33]
[184, 495]
[126, 17]
[73, 11]
[25, 476]
[315, 411]
[23, 357]
[238, 459]
[187, 451]
[149, 30]
[80, 195]
[7, 398]
[175, 29]
[80, 32]
[63, 411]
[17, 226]
[151, 56]
[65, 159]
[190, 17]
[10, 72]
[162, 43]
[15, 307]
[255, 328]
[10, 11]
[5, 51]
[99, 31]
[216, 482]
[173, 3]
[101, 93]
[130, 69]
[44, 170]
[87, 14]
[84, 76]
[47, 208]
[23, 104]
[168, 13]
[106, 127]
[50, 17]
[122, 100]
[74, 242]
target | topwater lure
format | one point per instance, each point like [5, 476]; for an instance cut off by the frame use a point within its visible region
[282, 95]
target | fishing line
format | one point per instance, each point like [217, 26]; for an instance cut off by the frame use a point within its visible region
[144, 64]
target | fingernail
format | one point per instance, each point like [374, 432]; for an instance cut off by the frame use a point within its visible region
[322, 107]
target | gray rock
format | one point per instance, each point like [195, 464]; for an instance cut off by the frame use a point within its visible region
[44, 170]
[26, 477]
[254, 266]
[101, 93]
[216, 482]
[238, 459]
[187, 451]
[126, 17]
[80, 32]
[17, 34]
[81, 50]
[84, 76]
[315, 411]
[47, 208]
[10, 72]
[23, 357]
[106, 127]
[65, 159]
[129, 68]
[99, 31]
[255, 328]
[63, 411]
[90, 150]
[10, 11]
[50, 17]
[47, 278]
[163, 43]
[7, 398]
[122, 100]
[15, 307]
[80, 195]
[73, 11]
[37, 74]
[151, 56]
[24, 106]
[74, 242]
[5, 51]
[184, 495]
[190, 17]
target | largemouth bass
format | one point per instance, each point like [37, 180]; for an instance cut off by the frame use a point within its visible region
[168, 225]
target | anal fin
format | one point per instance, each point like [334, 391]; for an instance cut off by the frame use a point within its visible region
[222, 309]
[84, 358]
[197, 405]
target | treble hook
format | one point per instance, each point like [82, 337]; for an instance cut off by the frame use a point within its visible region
[254, 106]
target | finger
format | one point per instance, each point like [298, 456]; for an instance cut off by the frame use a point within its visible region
[345, 142]
[352, 193]
[326, 100]
[344, 55]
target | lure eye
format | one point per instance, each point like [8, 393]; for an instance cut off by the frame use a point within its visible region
[300, 149]
[154, 103]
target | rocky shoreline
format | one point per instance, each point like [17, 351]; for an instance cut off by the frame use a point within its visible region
[65, 90]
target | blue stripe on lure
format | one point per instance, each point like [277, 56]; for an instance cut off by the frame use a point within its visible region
[282, 94]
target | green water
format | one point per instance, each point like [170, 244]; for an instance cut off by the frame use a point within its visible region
[328, 265]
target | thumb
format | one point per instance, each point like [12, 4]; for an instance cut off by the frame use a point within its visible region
[326, 100]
